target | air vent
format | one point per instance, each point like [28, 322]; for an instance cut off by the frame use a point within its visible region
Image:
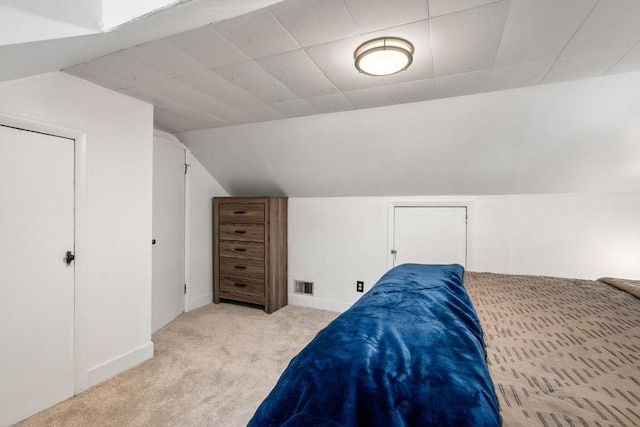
[303, 287]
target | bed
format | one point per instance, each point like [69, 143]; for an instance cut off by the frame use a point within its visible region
[424, 347]
[409, 352]
[561, 352]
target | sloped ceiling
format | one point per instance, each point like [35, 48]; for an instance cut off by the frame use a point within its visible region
[295, 57]
[54, 53]
[270, 102]
[581, 136]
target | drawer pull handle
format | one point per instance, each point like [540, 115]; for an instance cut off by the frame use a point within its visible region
[240, 267]
[240, 285]
[240, 249]
[240, 212]
[239, 231]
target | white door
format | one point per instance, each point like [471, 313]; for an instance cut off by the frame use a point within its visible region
[430, 235]
[168, 232]
[36, 284]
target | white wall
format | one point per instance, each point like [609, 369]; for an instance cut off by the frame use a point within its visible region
[116, 260]
[337, 241]
[202, 187]
[570, 137]
[334, 242]
[584, 236]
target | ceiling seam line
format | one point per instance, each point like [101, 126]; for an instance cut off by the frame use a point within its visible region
[555, 61]
[282, 26]
[620, 59]
[465, 10]
[495, 56]
[341, 92]
[433, 62]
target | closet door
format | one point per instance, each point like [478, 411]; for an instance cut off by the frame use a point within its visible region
[430, 235]
[36, 281]
[168, 232]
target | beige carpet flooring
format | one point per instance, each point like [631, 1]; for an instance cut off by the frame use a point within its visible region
[212, 367]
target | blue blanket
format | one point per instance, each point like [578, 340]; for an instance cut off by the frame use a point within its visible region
[410, 352]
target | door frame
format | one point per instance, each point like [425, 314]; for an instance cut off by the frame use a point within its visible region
[81, 239]
[187, 228]
[453, 203]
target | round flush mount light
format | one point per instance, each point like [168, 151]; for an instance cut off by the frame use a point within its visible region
[383, 56]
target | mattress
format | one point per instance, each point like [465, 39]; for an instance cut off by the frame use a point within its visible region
[561, 352]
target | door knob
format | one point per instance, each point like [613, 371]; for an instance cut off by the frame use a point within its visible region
[69, 257]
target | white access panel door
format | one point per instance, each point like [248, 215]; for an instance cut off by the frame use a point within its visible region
[36, 284]
[168, 232]
[430, 235]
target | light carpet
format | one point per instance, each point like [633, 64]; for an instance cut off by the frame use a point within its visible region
[212, 367]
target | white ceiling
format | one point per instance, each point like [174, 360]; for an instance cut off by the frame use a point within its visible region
[215, 68]
[570, 137]
[54, 27]
[295, 57]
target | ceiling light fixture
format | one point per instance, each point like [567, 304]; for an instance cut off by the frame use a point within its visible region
[383, 56]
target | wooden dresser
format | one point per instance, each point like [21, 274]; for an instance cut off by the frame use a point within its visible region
[250, 250]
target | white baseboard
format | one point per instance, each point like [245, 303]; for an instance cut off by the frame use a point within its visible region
[201, 301]
[319, 303]
[119, 364]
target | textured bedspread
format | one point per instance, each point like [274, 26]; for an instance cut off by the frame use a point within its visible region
[561, 352]
[408, 353]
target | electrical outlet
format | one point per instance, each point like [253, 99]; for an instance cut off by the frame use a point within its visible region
[359, 286]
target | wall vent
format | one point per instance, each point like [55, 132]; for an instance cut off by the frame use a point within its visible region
[303, 287]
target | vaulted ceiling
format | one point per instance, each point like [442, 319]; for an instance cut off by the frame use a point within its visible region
[570, 137]
[295, 57]
[216, 69]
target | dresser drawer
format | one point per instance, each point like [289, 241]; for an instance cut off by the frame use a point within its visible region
[235, 249]
[242, 212]
[243, 232]
[242, 286]
[242, 267]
